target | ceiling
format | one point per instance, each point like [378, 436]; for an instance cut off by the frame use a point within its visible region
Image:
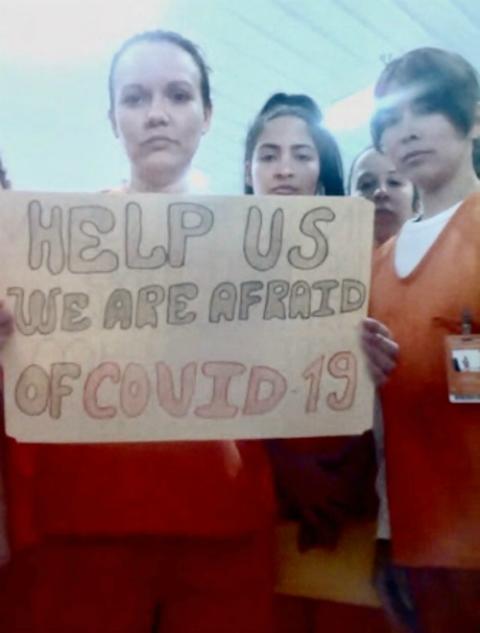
[53, 131]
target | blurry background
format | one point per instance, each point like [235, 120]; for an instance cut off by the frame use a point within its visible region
[54, 58]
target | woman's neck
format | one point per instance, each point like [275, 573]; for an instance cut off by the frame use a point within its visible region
[142, 184]
[440, 198]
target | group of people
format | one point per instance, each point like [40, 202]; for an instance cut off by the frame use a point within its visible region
[178, 537]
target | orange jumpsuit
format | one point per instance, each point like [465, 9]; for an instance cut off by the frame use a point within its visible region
[128, 537]
[432, 447]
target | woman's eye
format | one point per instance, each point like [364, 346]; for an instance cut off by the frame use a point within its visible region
[180, 96]
[266, 158]
[366, 185]
[132, 99]
[388, 118]
[304, 157]
[393, 182]
[423, 105]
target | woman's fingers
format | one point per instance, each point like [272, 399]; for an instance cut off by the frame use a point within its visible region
[380, 349]
[6, 325]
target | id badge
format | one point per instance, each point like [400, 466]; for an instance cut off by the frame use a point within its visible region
[463, 368]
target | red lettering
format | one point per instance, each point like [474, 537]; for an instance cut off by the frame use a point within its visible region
[260, 375]
[343, 365]
[178, 407]
[222, 373]
[92, 385]
[314, 374]
[134, 390]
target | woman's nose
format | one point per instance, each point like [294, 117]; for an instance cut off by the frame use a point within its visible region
[408, 126]
[381, 191]
[285, 168]
[158, 113]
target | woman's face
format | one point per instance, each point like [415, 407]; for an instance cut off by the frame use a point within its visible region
[424, 144]
[374, 177]
[158, 112]
[285, 160]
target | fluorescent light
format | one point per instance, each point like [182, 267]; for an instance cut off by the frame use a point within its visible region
[350, 113]
[62, 32]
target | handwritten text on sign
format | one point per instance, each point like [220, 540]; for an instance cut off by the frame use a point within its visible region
[150, 317]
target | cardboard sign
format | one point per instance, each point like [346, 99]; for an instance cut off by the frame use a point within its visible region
[146, 317]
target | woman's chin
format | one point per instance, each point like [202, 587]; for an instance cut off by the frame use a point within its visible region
[387, 225]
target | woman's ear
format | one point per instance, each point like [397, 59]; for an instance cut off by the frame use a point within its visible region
[113, 122]
[208, 119]
[248, 173]
[476, 124]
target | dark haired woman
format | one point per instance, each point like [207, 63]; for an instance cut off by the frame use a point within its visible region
[134, 538]
[288, 152]
[288, 131]
[425, 288]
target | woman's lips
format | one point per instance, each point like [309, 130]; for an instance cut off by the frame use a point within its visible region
[285, 190]
[383, 209]
[415, 155]
[158, 142]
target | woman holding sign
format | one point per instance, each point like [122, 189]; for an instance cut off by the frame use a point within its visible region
[288, 152]
[132, 538]
[425, 295]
